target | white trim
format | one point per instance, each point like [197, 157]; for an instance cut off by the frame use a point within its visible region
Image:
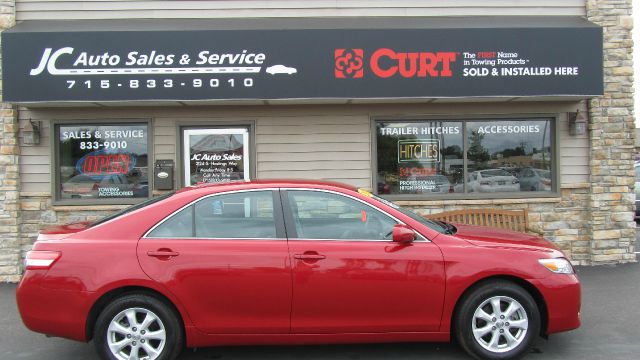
[227, 131]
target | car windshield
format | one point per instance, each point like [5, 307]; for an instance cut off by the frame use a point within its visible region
[434, 225]
[133, 208]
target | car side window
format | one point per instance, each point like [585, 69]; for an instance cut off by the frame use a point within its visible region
[322, 215]
[242, 215]
[179, 225]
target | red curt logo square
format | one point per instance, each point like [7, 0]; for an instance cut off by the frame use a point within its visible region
[349, 63]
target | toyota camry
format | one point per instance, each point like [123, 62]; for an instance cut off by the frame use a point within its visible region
[292, 262]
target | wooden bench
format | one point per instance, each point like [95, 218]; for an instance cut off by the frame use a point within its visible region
[516, 220]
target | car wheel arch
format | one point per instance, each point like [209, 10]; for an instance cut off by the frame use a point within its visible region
[527, 286]
[109, 296]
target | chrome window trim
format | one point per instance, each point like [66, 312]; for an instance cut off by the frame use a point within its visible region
[213, 238]
[145, 236]
[419, 236]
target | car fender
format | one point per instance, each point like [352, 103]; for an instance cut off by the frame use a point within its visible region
[464, 271]
[113, 289]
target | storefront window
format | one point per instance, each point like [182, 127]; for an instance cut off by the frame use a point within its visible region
[427, 157]
[420, 157]
[102, 161]
[215, 155]
[509, 156]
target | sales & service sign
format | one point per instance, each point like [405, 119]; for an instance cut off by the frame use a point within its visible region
[300, 64]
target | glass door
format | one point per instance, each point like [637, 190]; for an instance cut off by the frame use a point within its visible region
[215, 155]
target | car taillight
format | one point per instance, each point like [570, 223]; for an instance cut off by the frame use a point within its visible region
[39, 260]
[546, 182]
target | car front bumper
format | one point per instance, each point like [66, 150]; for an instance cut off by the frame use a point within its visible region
[562, 295]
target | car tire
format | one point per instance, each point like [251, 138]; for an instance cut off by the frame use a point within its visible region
[497, 320]
[141, 324]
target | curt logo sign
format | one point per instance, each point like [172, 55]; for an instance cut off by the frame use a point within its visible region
[386, 63]
[349, 63]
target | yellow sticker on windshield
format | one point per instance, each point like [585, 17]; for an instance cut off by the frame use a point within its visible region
[365, 192]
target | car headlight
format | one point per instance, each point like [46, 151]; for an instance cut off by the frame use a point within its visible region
[558, 265]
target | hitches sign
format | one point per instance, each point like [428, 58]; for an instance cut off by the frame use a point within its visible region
[300, 64]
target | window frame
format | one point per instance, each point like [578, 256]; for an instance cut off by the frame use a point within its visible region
[213, 123]
[54, 147]
[278, 217]
[555, 175]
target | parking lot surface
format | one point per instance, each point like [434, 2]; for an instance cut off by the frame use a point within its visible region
[610, 331]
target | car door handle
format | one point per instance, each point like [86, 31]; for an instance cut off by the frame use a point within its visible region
[163, 253]
[305, 256]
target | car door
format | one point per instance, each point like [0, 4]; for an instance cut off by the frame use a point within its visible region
[225, 258]
[349, 277]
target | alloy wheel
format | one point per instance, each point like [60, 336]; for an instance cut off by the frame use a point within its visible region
[136, 334]
[500, 324]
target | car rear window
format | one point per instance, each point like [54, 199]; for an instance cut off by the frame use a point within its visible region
[133, 208]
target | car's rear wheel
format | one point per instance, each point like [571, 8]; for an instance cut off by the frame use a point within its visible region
[497, 320]
[138, 326]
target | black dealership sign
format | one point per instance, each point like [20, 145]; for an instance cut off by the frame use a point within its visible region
[301, 64]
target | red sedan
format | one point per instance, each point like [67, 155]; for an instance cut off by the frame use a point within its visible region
[291, 262]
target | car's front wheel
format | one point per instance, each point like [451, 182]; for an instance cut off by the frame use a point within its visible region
[497, 320]
[138, 326]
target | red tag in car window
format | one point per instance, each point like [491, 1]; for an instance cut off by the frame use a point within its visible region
[363, 215]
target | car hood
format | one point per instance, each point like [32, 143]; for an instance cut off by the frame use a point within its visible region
[492, 237]
[62, 231]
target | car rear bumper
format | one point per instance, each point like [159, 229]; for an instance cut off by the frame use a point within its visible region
[60, 313]
[562, 295]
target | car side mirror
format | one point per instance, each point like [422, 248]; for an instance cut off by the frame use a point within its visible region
[403, 234]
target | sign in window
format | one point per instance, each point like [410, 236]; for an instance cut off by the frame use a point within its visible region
[102, 161]
[428, 157]
[215, 155]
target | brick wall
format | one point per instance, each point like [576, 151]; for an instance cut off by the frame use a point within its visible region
[564, 220]
[9, 174]
[612, 136]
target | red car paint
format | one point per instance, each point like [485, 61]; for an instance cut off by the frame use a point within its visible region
[279, 292]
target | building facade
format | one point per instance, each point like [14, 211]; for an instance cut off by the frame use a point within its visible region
[437, 105]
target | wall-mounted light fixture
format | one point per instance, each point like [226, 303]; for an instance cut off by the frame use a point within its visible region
[31, 133]
[577, 123]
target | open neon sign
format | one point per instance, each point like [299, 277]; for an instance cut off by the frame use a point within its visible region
[99, 163]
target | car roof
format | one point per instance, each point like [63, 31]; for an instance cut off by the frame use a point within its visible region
[266, 183]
